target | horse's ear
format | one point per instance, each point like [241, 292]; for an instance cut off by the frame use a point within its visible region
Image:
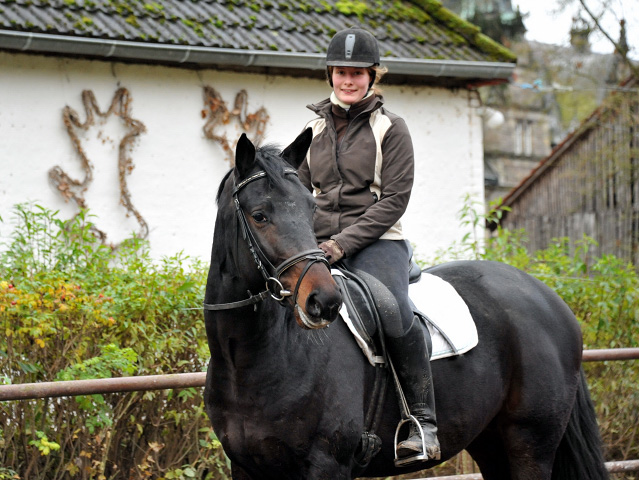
[296, 151]
[244, 156]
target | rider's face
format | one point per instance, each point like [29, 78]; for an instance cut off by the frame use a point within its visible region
[350, 83]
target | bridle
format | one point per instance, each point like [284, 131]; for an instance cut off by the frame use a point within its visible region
[271, 273]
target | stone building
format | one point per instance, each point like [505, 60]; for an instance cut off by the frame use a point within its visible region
[552, 90]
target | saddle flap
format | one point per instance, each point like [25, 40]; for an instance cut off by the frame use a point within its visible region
[445, 315]
[358, 314]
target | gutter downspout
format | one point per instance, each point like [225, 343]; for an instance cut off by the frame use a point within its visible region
[208, 56]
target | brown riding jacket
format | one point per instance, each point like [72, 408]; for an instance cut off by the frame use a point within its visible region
[360, 168]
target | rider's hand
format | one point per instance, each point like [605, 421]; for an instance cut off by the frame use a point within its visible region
[332, 250]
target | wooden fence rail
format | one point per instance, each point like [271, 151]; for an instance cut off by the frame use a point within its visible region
[612, 467]
[30, 391]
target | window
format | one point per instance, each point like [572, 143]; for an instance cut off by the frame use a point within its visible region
[523, 138]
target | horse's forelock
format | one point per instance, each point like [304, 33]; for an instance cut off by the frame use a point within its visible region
[270, 160]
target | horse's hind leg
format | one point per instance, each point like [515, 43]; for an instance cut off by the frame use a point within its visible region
[488, 452]
[531, 450]
[514, 453]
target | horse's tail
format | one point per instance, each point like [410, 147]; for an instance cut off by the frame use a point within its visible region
[580, 452]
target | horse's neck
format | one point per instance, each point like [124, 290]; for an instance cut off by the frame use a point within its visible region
[245, 328]
[229, 280]
[256, 345]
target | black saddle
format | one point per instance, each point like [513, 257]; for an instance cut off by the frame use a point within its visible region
[369, 302]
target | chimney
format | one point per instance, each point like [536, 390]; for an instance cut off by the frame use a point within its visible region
[579, 33]
[617, 69]
[622, 45]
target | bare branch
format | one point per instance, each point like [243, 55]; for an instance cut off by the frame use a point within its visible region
[622, 50]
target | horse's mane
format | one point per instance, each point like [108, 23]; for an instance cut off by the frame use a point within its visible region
[270, 160]
[221, 187]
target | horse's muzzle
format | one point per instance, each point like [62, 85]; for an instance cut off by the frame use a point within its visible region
[321, 305]
[309, 322]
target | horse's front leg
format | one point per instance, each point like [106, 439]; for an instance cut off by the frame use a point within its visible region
[238, 473]
[339, 473]
[324, 472]
[324, 465]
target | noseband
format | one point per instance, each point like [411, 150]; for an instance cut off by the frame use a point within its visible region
[270, 273]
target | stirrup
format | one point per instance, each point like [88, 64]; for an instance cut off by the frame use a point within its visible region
[418, 457]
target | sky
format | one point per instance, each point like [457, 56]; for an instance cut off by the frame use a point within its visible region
[548, 25]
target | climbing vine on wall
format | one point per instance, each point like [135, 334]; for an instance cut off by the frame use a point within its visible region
[75, 189]
[218, 116]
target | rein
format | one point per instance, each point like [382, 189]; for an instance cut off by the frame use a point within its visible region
[274, 286]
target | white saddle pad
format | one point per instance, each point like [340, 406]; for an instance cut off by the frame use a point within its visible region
[441, 303]
[448, 315]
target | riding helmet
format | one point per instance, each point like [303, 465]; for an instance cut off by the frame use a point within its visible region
[352, 47]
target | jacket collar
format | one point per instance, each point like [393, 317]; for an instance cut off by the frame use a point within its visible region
[325, 107]
[346, 106]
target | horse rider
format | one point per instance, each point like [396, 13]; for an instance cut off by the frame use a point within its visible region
[360, 168]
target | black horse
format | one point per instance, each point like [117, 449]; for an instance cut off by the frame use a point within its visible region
[290, 403]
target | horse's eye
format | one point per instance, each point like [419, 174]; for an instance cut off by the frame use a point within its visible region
[259, 217]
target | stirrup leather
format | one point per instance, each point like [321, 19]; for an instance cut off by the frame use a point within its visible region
[418, 457]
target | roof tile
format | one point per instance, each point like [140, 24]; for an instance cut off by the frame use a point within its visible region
[418, 29]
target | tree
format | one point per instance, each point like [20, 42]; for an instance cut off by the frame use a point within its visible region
[602, 14]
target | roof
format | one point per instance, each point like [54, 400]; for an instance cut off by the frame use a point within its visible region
[557, 153]
[420, 37]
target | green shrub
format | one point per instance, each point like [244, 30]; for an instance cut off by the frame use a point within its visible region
[72, 308]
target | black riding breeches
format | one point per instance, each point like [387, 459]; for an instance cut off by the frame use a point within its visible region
[388, 261]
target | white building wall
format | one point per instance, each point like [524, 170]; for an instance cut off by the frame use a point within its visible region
[178, 170]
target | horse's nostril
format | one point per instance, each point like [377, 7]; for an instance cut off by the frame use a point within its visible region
[313, 306]
[322, 305]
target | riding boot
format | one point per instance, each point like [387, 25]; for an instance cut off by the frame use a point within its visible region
[409, 354]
